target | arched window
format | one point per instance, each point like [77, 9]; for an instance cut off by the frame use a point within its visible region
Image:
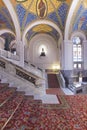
[77, 53]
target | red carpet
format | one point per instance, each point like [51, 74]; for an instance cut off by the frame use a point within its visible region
[55, 91]
[21, 112]
[52, 81]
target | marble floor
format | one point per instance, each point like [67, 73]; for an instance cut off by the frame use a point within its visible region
[52, 98]
[67, 91]
[47, 98]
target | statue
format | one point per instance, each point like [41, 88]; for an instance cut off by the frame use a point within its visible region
[42, 53]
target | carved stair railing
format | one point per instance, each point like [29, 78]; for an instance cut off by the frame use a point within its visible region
[21, 72]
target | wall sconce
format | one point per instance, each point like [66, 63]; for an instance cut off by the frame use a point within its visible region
[42, 53]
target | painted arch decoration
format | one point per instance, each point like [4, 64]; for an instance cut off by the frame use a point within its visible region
[42, 28]
[5, 18]
[80, 22]
[29, 11]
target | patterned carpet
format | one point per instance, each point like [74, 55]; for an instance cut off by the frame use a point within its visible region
[20, 112]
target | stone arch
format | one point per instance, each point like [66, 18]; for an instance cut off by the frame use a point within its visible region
[69, 18]
[47, 22]
[2, 42]
[14, 18]
[2, 31]
[79, 34]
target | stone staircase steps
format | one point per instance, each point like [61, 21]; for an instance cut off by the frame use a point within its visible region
[14, 106]
[6, 94]
[53, 81]
[23, 114]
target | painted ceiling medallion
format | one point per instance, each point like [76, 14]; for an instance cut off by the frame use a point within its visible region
[42, 8]
[21, 0]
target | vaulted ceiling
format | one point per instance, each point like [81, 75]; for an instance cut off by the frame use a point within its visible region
[56, 11]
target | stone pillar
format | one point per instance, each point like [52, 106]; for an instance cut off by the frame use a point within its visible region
[20, 52]
[62, 56]
[68, 55]
[17, 48]
[26, 51]
[85, 54]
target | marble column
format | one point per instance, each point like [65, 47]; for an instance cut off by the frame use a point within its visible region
[20, 52]
[67, 55]
[85, 54]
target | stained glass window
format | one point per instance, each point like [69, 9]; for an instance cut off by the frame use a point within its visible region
[77, 53]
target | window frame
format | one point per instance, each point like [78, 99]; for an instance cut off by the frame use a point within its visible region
[76, 45]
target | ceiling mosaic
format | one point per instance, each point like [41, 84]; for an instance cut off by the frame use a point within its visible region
[29, 11]
[56, 11]
[49, 4]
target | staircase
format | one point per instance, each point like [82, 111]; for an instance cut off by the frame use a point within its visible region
[13, 107]
[53, 81]
[23, 78]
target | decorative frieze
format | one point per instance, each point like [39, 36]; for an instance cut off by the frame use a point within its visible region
[25, 76]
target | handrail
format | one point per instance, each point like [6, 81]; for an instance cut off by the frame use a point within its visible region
[17, 70]
[8, 54]
[61, 80]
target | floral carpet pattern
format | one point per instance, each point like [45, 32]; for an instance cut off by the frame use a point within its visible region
[6, 94]
[24, 113]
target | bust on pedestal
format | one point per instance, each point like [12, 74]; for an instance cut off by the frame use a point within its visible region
[42, 53]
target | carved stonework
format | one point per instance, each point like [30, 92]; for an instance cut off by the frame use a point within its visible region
[25, 76]
[2, 64]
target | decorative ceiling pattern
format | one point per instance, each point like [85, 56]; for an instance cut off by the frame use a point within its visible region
[5, 18]
[56, 11]
[29, 11]
[33, 5]
[80, 22]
